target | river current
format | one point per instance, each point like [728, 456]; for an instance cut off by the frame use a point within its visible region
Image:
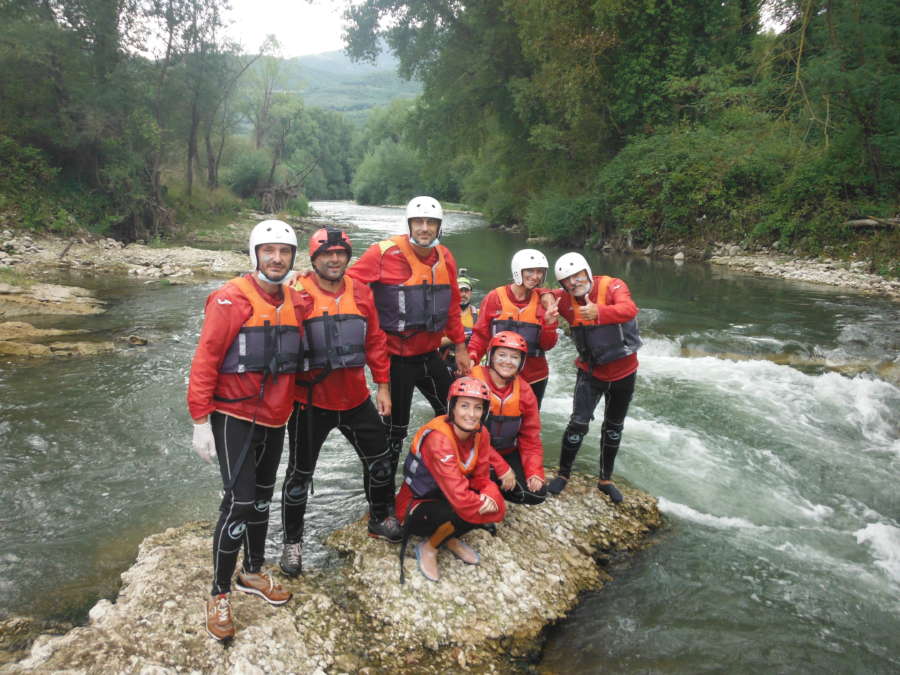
[760, 420]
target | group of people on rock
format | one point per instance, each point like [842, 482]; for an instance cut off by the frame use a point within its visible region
[283, 351]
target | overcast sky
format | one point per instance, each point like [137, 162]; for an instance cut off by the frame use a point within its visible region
[300, 26]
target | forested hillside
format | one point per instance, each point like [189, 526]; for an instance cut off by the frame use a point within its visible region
[588, 121]
[651, 121]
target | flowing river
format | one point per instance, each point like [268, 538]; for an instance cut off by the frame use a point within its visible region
[765, 419]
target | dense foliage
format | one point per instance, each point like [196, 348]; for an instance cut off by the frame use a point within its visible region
[655, 121]
[132, 117]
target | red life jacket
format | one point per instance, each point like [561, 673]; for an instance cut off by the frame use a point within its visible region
[335, 329]
[603, 343]
[422, 302]
[505, 419]
[415, 474]
[523, 321]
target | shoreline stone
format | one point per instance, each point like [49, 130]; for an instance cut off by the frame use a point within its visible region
[356, 617]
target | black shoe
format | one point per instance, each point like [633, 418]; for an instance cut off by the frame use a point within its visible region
[291, 562]
[611, 491]
[557, 485]
[388, 529]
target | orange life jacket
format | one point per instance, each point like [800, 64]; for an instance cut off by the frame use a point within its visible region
[335, 330]
[416, 474]
[523, 321]
[422, 302]
[269, 341]
[603, 343]
[505, 419]
[469, 316]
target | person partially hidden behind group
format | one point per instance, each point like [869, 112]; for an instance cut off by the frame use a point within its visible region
[341, 336]
[447, 490]
[515, 421]
[240, 394]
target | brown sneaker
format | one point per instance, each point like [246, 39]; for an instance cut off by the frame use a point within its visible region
[219, 623]
[261, 584]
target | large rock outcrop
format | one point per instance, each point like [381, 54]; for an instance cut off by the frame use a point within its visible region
[356, 617]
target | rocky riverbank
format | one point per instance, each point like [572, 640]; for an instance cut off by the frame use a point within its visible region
[357, 617]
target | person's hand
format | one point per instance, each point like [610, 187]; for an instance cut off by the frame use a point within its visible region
[383, 399]
[488, 505]
[508, 481]
[589, 311]
[535, 484]
[551, 307]
[203, 443]
[463, 362]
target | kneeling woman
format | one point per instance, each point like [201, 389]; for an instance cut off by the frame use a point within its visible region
[447, 490]
[515, 421]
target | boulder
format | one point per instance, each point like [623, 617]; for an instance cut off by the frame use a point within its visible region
[357, 616]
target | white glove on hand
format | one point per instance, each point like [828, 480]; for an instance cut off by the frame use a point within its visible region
[204, 443]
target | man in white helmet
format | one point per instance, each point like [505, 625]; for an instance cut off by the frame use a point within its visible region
[517, 307]
[603, 318]
[240, 395]
[414, 281]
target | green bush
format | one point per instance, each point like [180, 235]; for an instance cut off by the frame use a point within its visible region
[560, 217]
[389, 174]
[298, 207]
[249, 172]
[698, 181]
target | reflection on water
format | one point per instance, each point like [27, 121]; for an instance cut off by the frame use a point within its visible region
[776, 472]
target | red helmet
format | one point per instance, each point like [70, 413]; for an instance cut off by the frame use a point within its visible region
[511, 340]
[329, 239]
[469, 387]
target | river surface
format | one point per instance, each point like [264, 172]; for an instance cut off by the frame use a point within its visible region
[775, 470]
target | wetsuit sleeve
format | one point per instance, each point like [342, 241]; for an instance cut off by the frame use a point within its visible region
[224, 315]
[481, 331]
[620, 307]
[454, 328]
[368, 268]
[530, 447]
[376, 340]
[441, 461]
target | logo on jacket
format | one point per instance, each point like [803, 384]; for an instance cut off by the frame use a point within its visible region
[223, 301]
[446, 458]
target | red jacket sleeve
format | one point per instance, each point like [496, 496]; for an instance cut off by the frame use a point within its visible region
[454, 328]
[225, 313]
[368, 268]
[376, 340]
[619, 306]
[496, 461]
[481, 331]
[441, 461]
[531, 449]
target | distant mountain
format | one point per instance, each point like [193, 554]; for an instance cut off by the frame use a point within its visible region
[331, 80]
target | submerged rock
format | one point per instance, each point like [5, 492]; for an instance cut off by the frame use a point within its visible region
[357, 616]
[45, 299]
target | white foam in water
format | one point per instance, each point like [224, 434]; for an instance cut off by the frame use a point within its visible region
[719, 522]
[884, 542]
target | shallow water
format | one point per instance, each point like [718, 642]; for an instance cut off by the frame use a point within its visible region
[782, 542]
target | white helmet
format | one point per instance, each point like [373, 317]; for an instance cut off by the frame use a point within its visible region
[569, 264]
[271, 232]
[425, 207]
[527, 259]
